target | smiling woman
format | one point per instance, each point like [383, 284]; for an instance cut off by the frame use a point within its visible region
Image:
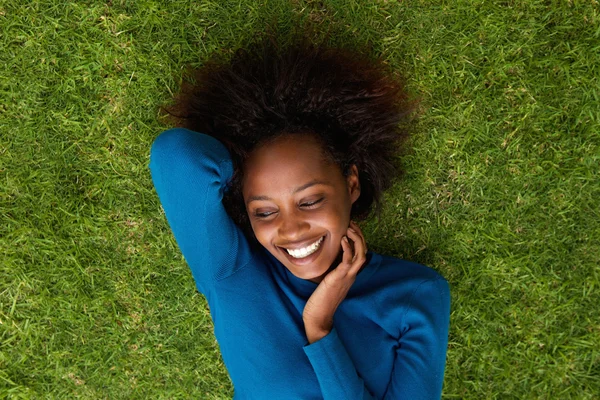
[278, 150]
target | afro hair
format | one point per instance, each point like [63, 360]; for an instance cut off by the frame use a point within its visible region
[350, 101]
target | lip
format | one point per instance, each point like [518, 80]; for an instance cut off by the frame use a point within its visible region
[303, 245]
[308, 259]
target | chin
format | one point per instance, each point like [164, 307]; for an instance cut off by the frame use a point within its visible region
[310, 270]
[309, 275]
[307, 272]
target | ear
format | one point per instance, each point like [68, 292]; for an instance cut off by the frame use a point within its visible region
[353, 184]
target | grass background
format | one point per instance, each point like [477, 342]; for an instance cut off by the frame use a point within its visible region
[502, 192]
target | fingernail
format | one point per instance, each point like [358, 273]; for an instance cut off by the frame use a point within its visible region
[352, 230]
[346, 238]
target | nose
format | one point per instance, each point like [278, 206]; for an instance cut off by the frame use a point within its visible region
[292, 226]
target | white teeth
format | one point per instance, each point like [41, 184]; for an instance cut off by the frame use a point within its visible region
[306, 251]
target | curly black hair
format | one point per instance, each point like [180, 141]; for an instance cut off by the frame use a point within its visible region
[351, 102]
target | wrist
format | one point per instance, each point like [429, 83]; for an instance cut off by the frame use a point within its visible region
[315, 332]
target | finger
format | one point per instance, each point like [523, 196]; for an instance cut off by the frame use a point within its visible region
[358, 259]
[347, 252]
[360, 246]
[356, 228]
[359, 253]
[354, 225]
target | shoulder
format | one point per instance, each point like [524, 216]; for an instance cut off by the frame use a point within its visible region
[389, 270]
[400, 290]
[392, 283]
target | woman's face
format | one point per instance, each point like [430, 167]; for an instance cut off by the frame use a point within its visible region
[299, 203]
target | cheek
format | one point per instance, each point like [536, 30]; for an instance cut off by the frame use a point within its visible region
[337, 220]
[265, 233]
[259, 232]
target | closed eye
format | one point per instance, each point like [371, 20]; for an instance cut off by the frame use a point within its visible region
[312, 203]
[263, 215]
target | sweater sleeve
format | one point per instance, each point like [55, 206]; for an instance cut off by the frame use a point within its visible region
[418, 370]
[335, 371]
[421, 353]
[190, 171]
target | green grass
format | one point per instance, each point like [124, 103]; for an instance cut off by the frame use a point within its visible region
[501, 196]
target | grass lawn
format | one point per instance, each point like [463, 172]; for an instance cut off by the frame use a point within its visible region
[502, 194]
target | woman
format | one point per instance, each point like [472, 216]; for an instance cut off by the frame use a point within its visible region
[280, 148]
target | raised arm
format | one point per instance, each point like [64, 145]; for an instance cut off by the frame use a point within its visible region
[190, 171]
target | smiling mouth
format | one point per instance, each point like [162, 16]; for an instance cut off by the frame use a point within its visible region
[305, 251]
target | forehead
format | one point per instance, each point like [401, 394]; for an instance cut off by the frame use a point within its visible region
[286, 163]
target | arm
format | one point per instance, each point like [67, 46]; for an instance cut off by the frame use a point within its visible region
[329, 358]
[335, 371]
[421, 354]
[418, 370]
[190, 171]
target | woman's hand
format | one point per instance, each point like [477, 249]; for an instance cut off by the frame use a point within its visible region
[320, 307]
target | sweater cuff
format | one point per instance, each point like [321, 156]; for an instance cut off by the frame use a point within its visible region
[334, 368]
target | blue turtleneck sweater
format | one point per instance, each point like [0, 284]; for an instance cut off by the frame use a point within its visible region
[390, 333]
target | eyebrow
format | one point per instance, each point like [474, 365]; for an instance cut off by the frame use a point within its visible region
[298, 189]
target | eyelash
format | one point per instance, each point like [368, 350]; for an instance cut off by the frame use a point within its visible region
[308, 205]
